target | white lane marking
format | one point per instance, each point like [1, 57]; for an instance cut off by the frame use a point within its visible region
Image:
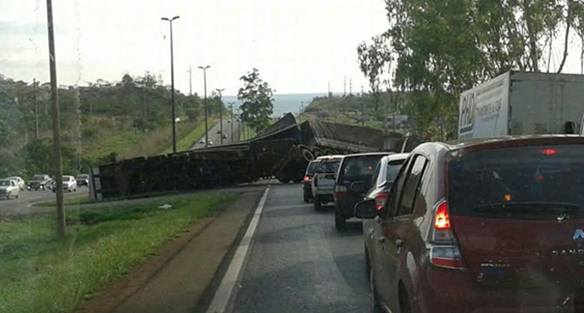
[225, 290]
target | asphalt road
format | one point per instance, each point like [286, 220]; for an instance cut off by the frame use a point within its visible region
[215, 134]
[23, 205]
[300, 263]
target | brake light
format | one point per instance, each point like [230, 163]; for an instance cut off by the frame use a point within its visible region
[380, 200]
[444, 251]
[340, 190]
[549, 151]
[307, 178]
[442, 217]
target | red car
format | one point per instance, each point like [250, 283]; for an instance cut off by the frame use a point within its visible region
[494, 225]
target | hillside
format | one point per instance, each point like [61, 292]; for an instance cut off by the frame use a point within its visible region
[400, 112]
[100, 122]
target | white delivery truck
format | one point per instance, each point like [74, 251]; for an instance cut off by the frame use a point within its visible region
[521, 103]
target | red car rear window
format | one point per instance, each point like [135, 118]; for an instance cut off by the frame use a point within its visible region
[522, 182]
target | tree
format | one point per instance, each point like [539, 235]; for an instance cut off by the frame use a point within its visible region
[441, 48]
[373, 60]
[256, 96]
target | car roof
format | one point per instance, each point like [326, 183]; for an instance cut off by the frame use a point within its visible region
[507, 141]
[367, 154]
[395, 156]
[324, 157]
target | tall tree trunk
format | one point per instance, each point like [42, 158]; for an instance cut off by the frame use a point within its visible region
[566, 36]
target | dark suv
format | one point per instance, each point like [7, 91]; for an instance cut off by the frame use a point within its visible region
[487, 226]
[352, 181]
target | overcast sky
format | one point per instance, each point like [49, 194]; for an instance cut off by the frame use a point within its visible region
[298, 45]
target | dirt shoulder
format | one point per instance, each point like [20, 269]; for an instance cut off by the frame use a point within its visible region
[177, 278]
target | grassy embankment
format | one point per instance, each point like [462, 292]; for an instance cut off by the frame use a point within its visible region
[188, 140]
[40, 273]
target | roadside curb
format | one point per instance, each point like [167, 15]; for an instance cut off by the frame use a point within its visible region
[207, 297]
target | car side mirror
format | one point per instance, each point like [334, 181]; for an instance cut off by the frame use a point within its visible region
[366, 209]
[358, 187]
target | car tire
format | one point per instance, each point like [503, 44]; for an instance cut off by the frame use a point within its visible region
[317, 204]
[340, 221]
[306, 200]
[375, 306]
[367, 262]
[405, 305]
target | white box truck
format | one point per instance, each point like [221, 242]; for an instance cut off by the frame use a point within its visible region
[521, 103]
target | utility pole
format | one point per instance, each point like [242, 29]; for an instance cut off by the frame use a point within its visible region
[344, 86]
[169, 20]
[329, 89]
[190, 80]
[350, 86]
[219, 91]
[36, 108]
[205, 68]
[231, 108]
[56, 124]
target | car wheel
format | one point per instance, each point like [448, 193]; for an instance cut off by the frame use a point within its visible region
[375, 306]
[367, 263]
[317, 204]
[306, 200]
[340, 221]
[405, 306]
[17, 196]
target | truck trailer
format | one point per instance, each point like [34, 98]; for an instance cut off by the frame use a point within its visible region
[523, 103]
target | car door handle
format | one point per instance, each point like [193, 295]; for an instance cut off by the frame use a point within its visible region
[399, 243]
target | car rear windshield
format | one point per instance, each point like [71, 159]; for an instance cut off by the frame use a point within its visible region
[524, 182]
[393, 169]
[359, 168]
[38, 177]
[4, 183]
[328, 166]
[311, 167]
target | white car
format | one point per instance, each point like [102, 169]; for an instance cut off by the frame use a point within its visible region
[19, 181]
[69, 183]
[9, 189]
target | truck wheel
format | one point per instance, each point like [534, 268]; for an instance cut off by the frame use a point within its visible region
[317, 204]
[340, 221]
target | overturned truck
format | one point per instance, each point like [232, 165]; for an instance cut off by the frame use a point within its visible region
[281, 151]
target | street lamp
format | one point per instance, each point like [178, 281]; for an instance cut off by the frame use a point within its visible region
[219, 91]
[169, 20]
[204, 68]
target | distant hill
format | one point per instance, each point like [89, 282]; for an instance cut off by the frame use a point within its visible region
[99, 122]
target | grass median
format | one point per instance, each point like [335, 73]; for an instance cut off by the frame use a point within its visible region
[40, 273]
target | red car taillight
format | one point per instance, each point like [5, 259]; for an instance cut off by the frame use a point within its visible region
[307, 179]
[444, 251]
[380, 200]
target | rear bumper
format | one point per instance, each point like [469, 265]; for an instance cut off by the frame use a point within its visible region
[324, 197]
[345, 204]
[455, 292]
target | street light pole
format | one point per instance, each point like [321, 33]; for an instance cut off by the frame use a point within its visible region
[204, 68]
[61, 226]
[231, 108]
[169, 20]
[219, 91]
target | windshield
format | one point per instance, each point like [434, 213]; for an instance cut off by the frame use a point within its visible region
[393, 168]
[38, 177]
[359, 168]
[328, 166]
[527, 181]
[311, 168]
